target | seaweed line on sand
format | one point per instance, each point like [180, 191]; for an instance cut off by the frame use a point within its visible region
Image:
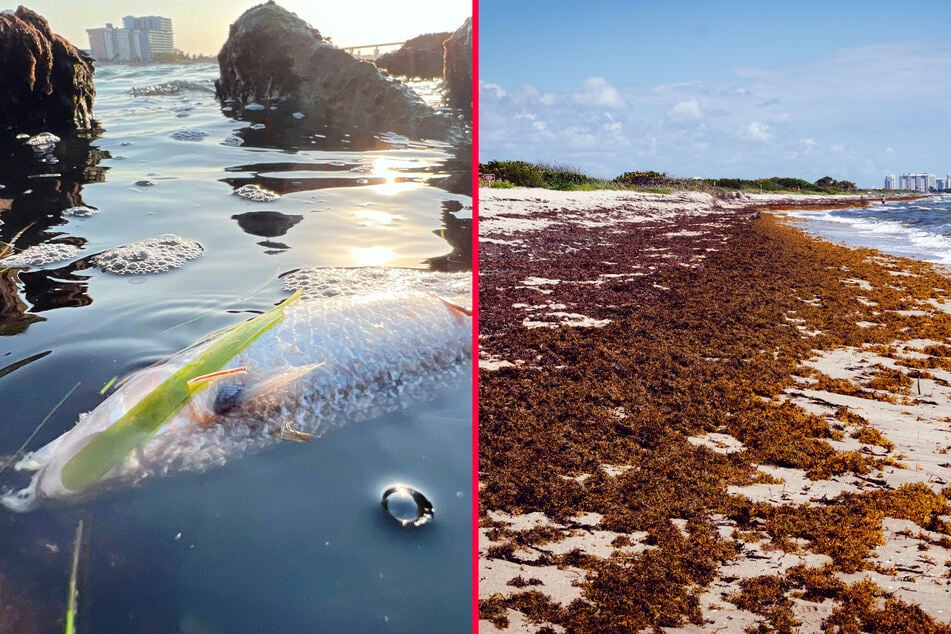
[756, 438]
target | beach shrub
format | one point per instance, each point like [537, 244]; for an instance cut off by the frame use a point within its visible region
[523, 174]
[643, 179]
[518, 173]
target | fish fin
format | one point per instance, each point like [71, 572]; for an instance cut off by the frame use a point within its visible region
[256, 389]
[253, 388]
[212, 377]
[455, 308]
[294, 435]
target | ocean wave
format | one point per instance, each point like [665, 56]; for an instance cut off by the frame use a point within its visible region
[919, 234]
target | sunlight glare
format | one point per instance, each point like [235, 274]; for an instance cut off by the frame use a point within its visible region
[372, 256]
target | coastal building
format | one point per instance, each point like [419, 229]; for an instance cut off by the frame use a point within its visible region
[921, 182]
[155, 29]
[890, 181]
[139, 40]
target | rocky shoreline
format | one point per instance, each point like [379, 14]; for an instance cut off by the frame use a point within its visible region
[694, 417]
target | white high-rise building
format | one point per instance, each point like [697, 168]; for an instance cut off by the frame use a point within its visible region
[139, 40]
[890, 181]
[921, 182]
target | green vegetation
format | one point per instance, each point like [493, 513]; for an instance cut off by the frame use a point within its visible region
[546, 176]
[522, 174]
[110, 447]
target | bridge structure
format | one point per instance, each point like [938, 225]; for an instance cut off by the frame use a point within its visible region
[372, 51]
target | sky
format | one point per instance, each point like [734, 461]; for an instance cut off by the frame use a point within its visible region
[853, 90]
[201, 26]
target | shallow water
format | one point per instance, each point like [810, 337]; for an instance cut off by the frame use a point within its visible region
[919, 229]
[290, 539]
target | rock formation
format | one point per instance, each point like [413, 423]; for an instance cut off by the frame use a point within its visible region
[47, 82]
[458, 67]
[420, 57]
[273, 57]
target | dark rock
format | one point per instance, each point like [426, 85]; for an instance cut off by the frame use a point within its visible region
[458, 67]
[267, 224]
[273, 57]
[420, 57]
[47, 82]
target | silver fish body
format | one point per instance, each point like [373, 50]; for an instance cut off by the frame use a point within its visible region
[330, 361]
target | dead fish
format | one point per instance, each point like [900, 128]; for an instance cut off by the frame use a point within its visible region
[291, 373]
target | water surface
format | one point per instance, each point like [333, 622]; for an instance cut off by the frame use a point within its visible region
[919, 229]
[290, 539]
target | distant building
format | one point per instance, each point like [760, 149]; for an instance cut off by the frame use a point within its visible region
[918, 182]
[890, 181]
[156, 29]
[941, 184]
[139, 40]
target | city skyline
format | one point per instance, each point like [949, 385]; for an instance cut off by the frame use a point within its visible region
[202, 27]
[738, 90]
[924, 182]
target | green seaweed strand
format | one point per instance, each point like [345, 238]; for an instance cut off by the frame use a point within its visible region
[109, 448]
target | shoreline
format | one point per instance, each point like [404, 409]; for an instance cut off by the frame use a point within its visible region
[748, 387]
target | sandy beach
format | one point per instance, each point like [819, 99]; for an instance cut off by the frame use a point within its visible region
[696, 418]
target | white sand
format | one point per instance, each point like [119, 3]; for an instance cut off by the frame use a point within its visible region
[919, 426]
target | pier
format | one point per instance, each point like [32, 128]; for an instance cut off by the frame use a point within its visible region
[372, 51]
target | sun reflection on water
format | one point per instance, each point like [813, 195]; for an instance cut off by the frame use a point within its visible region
[372, 256]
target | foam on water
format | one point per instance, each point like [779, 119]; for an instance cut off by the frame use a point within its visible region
[43, 140]
[189, 135]
[344, 282]
[154, 255]
[41, 254]
[256, 193]
[80, 211]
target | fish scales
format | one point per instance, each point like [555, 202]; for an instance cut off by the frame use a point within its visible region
[376, 354]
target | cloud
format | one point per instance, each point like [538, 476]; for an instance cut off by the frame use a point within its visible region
[599, 93]
[756, 131]
[822, 116]
[497, 90]
[685, 112]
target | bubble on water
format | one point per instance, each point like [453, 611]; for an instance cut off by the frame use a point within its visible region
[189, 135]
[143, 183]
[80, 211]
[257, 126]
[233, 141]
[254, 106]
[407, 506]
[41, 254]
[256, 193]
[154, 255]
[349, 282]
[298, 115]
[43, 141]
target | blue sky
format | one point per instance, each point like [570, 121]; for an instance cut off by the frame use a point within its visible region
[853, 90]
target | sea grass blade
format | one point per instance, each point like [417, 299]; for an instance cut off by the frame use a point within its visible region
[110, 447]
[73, 599]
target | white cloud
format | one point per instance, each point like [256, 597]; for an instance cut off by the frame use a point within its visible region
[685, 112]
[489, 87]
[599, 93]
[756, 131]
[823, 117]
